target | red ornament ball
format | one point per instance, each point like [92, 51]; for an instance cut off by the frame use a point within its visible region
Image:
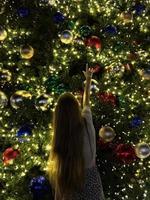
[95, 68]
[125, 153]
[9, 155]
[108, 98]
[93, 42]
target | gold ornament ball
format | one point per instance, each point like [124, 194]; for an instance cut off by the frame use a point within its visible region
[107, 133]
[43, 102]
[3, 34]
[66, 37]
[127, 17]
[5, 75]
[20, 99]
[142, 150]
[26, 52]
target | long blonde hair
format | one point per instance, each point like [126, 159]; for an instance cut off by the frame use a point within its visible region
[66, 171]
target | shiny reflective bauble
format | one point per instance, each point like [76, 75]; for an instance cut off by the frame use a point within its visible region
[107, 133]
[3, 100]
[142, 150]
[66, 37]
[3, 34]
[26, 52]
[111, 30]
[39, 186]
[85, 31]
[127, 17]
[20, 99]
[24, 133]
[43, 102]
[58, 17]
[23, 12]
[5, 75]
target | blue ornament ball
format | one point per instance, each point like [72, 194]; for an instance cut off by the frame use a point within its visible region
[39, 186]
[139, 8]
[136, 122]
[58, 17]
[23, 133]
[110, 29]
[23, 12]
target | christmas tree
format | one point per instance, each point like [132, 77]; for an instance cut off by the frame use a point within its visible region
[44, 47]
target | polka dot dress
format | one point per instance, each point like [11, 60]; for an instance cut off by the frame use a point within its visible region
[93, 189]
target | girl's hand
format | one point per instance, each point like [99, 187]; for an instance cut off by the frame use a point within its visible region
[89, 72]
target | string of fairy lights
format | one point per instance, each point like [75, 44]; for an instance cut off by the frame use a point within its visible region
[107, 57]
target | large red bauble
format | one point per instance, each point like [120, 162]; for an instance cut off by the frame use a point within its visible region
[93, 41]
[108, 98]
[125, 153]
[9, 155]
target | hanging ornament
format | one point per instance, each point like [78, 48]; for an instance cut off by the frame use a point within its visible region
[95, 68]
[110, 30]
[43, 102]
[139, 8]
[26, 52]
[23, 133]
[54, 85]
[38, 186]
[5, 75]
[58, 17]
[10, 155]
[127, 17]
[93, 42]
[3, 100]
[107, 133]
[145, 73]
[122, 101]
[3, 34]
[108, 98]
[142, 150]
[66, 37]
[20, 99]
[125, 153]
[23, 12]
[136, 122]
[85, 31]
[71, 25]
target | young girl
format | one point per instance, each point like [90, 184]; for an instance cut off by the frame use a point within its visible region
[72, 164]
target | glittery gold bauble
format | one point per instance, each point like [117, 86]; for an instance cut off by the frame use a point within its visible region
[3, 34]
[43, 102]
[107, 133]
[145, 74]
[20, 99]
[5, 75]
[142, 150]
[127, 17]
[26, 52]
[66, 37]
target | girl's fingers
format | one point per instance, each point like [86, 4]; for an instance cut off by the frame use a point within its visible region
[84, 73]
